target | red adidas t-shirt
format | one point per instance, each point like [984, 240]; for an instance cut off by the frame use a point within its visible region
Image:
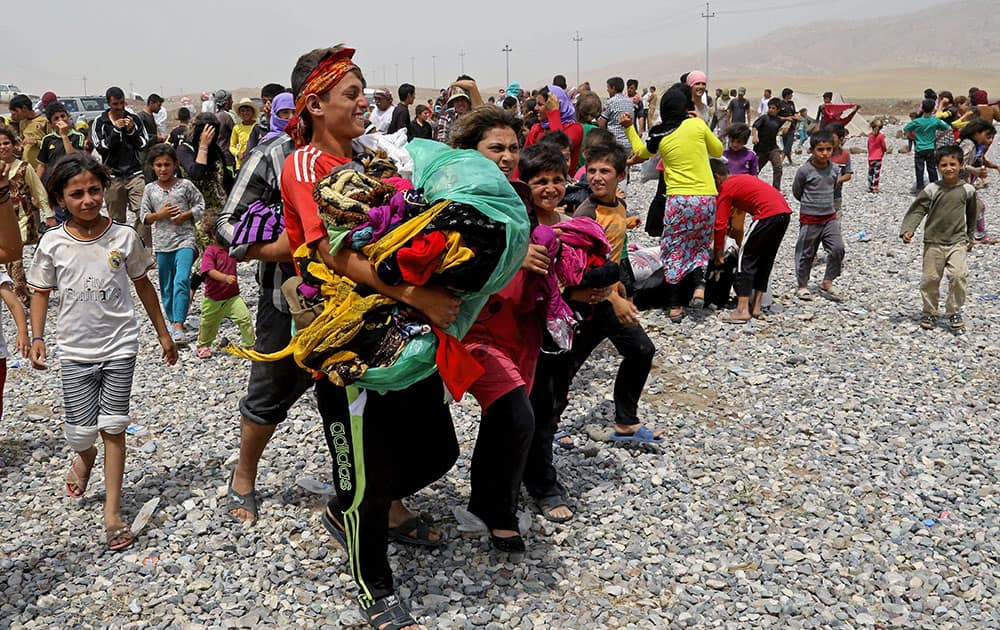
[302, 169]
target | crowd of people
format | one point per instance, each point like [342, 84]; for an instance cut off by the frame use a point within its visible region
[494, 263]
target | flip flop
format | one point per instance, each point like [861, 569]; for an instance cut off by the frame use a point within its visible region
[547, 504]
[421, 524]
[122, 534]
[559, 436]
[73, 479]
[238, 501]
[732, 320]
[643, 436]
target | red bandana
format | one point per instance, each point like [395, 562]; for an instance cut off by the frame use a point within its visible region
[327, 74]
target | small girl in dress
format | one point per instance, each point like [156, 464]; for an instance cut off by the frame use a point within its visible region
[92, 261]
[171, 205]
[876, 153]
[222, 294]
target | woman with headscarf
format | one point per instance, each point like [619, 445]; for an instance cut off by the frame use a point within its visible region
[282, 108]
[684, 144]
[560, 115]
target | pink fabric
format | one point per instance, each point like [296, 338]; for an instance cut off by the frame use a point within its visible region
[581, 237]
[559, 318]
[834, 113]
[696, 76]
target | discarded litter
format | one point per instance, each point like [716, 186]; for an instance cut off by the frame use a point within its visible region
[19, 363]
[864, 237]
[946, 514]
[929, 522]
[136, 429]
[149, 561]
[145, 513]
[738, 371]
[315, 486]
[988, 298]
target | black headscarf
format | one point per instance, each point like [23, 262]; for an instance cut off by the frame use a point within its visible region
[674, 107]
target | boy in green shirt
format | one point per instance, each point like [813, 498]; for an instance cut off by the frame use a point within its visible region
[925, 131]
[950, 208]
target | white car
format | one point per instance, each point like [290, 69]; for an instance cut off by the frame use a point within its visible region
[8, 91]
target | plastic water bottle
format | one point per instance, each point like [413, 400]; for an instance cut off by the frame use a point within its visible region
[19, 363]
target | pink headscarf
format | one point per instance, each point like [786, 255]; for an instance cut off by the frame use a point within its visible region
[696, 76]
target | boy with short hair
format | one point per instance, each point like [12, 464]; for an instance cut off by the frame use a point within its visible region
[765, 140]
[63, 140]
[841, 159]
[177, 133]
[614, 317]
[739, 159]
[925, 130]
[818, 222]
[31, 127]
[950, 209]
[401, 113]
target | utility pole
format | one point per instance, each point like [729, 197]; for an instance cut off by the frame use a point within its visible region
[413, 70]
[461, 54]
[434, 71]
[708, 15]
[506, 50]
[578, 39]
[397, 74]
[131, 91]
[84, 85]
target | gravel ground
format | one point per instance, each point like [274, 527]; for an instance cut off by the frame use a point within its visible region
[835, 466]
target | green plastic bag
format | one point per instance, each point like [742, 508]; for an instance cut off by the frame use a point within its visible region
[468, 177]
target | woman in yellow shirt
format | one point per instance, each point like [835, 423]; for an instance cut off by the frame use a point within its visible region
[684, 144]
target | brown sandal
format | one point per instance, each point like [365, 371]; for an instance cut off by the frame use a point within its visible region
[119, 538]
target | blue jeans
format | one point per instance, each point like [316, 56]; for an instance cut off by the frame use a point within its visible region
[174, 269]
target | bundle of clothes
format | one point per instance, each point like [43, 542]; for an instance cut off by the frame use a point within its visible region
[470, 245]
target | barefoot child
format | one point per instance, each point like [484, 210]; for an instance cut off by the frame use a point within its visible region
[818, 223]
[91, 261]
[770, 215]
[170, 205]
[950, 209]
[222, 294]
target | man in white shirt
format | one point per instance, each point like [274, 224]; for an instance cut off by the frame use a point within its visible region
[381, 117]
[762, 108]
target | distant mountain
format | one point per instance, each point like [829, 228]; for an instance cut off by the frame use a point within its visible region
[959, 36]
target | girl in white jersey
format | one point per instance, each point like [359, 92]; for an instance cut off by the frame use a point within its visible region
[92, 261]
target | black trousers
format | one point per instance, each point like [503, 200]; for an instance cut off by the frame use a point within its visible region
[555, 373]
[506, 434]
[402, 442]
[758, 254]
[925, 160]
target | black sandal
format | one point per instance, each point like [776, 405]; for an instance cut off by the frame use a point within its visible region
[421, 526]
[334, 528]
[237, 501]
[388, 613]
[547, 504]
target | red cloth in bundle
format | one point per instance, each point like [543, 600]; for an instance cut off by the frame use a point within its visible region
[420, 259]
[458, 369]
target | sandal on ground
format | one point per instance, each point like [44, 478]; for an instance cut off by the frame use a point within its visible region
[955, 323]
[734, 320]
[644, 435]
[832, 294]
[547, 504]
[74, 479]
[511, 544]
[119, 538]
[804, 294]
[388, 613]
[697, 302]
[927, 322]
[676, 318]
[419, 524]
[334, 528]
[237, 501]
[559, 436]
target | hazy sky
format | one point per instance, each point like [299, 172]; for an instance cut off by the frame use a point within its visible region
[222, 43]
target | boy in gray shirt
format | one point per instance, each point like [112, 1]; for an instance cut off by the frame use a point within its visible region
[813, 187]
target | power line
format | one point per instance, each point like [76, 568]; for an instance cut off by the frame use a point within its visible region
[506, 50]
[708, 15]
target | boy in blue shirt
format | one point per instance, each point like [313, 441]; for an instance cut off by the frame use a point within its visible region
[925, 131]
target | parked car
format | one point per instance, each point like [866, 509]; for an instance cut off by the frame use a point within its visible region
[8, 91]
[86, 108]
